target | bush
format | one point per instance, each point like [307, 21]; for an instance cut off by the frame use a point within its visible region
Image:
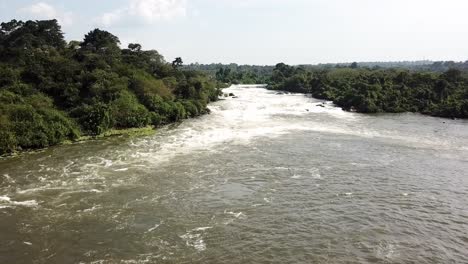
[34, 126]
[156, 119]
[127, 112]
[190, 109]
[144, 86]
[95, 119]
[8, 141]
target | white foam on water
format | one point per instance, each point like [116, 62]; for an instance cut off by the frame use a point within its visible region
[233, 121]
[6, 201]
[257, 113]
[315, 173]
[80, 191]
[153, 228]
[95, 207]
[195, 240]
[30, 203]
[40, 189]
[236, 215]
[199, 245]
[8, 178]
[386, 250]
[202, 228]
[101, 261]
[5, 198]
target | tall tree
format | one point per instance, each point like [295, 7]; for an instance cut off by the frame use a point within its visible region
[100, 39]
[177, 63]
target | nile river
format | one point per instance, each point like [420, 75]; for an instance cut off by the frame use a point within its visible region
[265, 178]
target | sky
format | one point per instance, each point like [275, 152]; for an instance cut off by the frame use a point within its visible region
[266, 32]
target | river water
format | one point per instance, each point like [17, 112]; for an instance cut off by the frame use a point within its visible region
[265, 178]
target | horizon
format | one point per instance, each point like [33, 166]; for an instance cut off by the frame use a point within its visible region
[419, 62]
[261, 32]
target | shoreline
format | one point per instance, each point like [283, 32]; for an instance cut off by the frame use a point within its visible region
[129, 132]
[352, 110]
[114, 132]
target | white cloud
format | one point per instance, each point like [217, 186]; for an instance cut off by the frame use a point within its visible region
[147, 11]
[153, 10]
[110, 18]
[43, 10]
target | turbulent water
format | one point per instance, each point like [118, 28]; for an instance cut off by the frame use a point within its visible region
[265, 178]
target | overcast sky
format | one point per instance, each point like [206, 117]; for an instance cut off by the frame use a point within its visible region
[268, 31]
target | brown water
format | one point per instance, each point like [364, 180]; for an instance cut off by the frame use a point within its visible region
[260, 180]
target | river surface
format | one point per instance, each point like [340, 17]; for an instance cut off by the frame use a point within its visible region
[265, 178]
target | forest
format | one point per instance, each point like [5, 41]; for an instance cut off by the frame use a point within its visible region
[261, 74]
[52, 91]
[234, 73]
[431, 88]
[365, 90]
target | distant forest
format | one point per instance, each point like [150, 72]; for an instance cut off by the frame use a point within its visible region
[235, 74]
[424, 65]
[261, 74]
[432, 88]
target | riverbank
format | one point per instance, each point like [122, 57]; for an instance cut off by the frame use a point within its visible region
[353, 109]
[132, 132]
[366, 90]
[128, 132]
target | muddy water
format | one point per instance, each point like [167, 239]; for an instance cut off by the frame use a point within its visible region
[265, 178]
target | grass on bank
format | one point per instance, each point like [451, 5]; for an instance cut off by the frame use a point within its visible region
[128, 132]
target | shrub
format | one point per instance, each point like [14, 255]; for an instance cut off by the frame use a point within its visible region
[95, 119]
[127, 112]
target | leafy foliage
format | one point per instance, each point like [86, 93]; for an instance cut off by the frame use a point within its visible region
[51, 91]
[380, 90]
[235, 74]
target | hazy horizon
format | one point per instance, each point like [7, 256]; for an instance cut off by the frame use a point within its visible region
[262, 32]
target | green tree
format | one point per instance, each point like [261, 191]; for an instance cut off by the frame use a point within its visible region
[177, 63]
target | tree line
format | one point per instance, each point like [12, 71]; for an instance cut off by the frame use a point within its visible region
[234, 73]
[366, 90]
[431, 88]
[52, 91]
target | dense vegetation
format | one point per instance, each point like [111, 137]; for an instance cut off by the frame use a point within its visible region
[235, 74]
[424, 65]
[380, 90]
[52, 91]
[258, 74]
[432, 88]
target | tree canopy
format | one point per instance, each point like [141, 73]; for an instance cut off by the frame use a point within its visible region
[51, 91]
[380, 90]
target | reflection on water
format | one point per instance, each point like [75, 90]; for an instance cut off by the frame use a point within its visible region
[264, 178]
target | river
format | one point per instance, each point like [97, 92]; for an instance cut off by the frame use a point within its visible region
[265, 178]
